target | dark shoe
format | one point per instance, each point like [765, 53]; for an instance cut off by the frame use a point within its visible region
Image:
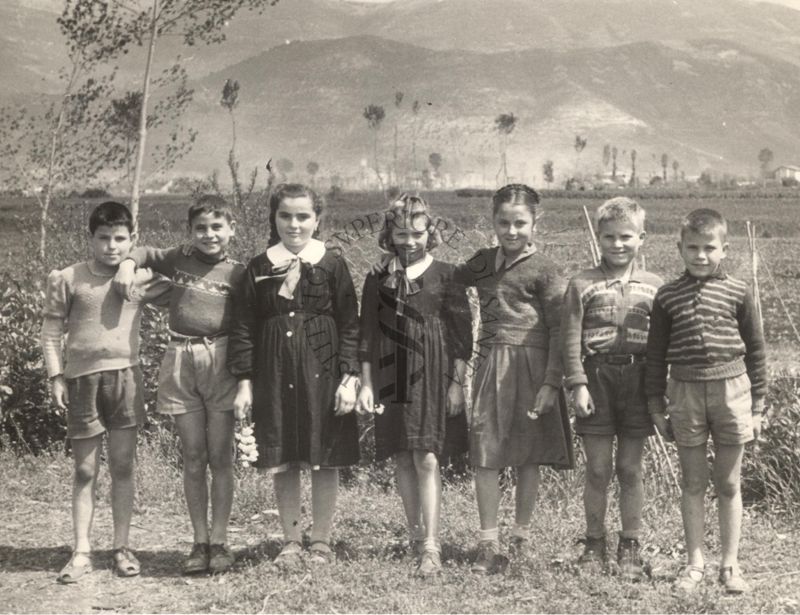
[71, 573]
[197, 561]
[417, 548]
[220, 559]
[430, 564]
[733, 581]
[485, 561]
[594, 553]
[518, 546]
[125, 563]
[629, 559]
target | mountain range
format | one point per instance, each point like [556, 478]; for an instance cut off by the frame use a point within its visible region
[708, 82]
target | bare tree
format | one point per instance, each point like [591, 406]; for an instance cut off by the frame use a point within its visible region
[675, 166]
[398, 99]
[374, 115]
[633, 180]
[229, 101]
[664, 163]
[547, 171]
[614, 162]
[579, 145]
[504, 124]
[312, 167]
[765, 157]
[415, 107]
[606, 155]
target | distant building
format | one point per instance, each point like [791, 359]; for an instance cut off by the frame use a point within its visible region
[787, 171]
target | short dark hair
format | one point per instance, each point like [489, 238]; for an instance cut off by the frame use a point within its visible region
[515, 194]
[110, 213]
[704, 221]
[291, 191]
[210, 204]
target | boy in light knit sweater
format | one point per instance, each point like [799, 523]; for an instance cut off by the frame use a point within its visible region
[99, 383]
[195, 386]
[705, 331]
[604, 337]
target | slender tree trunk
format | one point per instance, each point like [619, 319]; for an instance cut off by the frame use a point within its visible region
[395, 153]
[236, 188]
[137, 173]
[375, 157]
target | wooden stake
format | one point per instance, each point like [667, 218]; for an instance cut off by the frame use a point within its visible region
[593, 247]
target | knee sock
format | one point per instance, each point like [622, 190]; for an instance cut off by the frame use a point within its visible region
[432, 544]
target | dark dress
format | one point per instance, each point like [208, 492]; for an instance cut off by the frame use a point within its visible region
[295, 352]
[411, 343]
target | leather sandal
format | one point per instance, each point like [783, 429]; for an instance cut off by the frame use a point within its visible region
[290, 559]
[71, 573]
[125, 563]
[689, 579]
[320, 552]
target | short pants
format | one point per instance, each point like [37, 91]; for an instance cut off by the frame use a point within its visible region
[620, 403]
[194, 377]
[104, 401]
[721, 407]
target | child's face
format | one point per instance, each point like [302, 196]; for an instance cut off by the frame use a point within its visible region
[296, 222]
[111, 244]
[702, 252]
[211, 233]
[514, 226]
[619, 241]
[410, 238]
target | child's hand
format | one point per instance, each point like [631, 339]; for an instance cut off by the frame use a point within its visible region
[379, 267]
[546, 401]
[757, 425]
[346, 395]
[124, 282]
[582, 400]
[663, 426]
[58, 387]
[455, 399]
[366, 401]
[243, 402]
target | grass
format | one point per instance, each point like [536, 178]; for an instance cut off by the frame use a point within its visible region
[370, 574]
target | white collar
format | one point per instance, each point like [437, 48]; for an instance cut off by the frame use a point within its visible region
[412, 271]
[312, 253]
[500, 257]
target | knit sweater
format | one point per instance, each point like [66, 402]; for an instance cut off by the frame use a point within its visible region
[605, 315]
[201, 303]
[520, 304]
[705, 329]
[102, 329]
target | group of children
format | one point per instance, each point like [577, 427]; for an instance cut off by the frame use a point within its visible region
[282, 340]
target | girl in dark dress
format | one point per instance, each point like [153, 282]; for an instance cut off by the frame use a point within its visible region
[293, 349]
[416, 339]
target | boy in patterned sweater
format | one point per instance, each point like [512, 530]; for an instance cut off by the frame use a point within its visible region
[195, 386]
[705, 332]
[90, 343]
[604, 336]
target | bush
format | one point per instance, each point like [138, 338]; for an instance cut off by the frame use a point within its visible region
[771, 470]
[27, 419]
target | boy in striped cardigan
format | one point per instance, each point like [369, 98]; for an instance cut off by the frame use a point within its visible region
[705, 332]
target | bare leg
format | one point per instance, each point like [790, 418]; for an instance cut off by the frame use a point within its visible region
[487, 492]
[631, 484]
[219, 442]
[727, 477]
[408, 488]
[86, 453]
[599, 469]
[192, 432]
[694, 481]
[324, 489]
[527, 491]
[121, 456]
[430, 493]
[287, 492]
